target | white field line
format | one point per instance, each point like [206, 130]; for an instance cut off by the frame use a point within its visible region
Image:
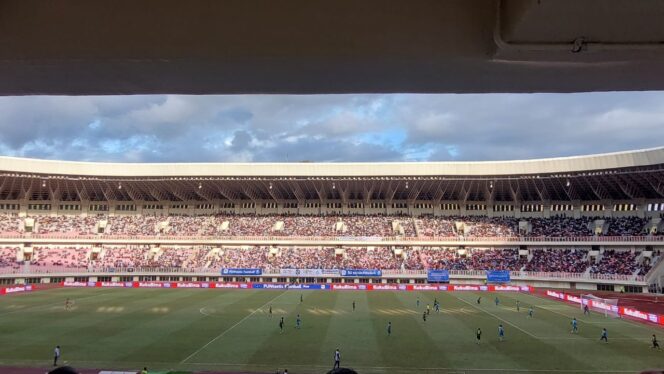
[414, 369]
[614, 321]
[496, 317]
[229, 329]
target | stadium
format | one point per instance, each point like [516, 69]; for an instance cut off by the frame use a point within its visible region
[147, 227]
[236, 243]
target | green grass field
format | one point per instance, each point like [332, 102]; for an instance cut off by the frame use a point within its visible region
[219, 330]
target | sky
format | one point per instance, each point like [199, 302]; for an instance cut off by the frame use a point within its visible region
[329, 128]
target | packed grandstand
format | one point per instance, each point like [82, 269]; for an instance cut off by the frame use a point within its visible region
[593, 219]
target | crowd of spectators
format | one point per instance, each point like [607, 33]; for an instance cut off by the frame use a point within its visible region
[616, 262]
[8, 257]
[541, 260]
[69, 257]
[68, 224]
[10, 223]
[626, 226]
[435, 226]
[558, 260]
[472, 259]
[123, 257]
[175, 257]
[324, 225]
[561, 226]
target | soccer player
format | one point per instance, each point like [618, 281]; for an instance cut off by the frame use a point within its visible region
[501, 332]
[605, 335]
[298, 322]
[67, 304]
[478, 335]
[389, 328]
[517, 306]
[530, 312]
[497, 301]
[418, 302]
[424, 316]
[428, 309]
[586, 310]
[56, 355]
[479, 300]
[281, 325]
[337, 359]
[270, 311]
[575, 327]
[301, 299]
[655, 343]
[437, 307]
[353, 305]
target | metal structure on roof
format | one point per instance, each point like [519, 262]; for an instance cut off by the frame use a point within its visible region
[615, 176]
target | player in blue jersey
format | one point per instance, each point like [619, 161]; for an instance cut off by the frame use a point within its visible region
[605, 336]
[575, 326]
[501, 332]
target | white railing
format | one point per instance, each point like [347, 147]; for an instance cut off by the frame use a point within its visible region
[272, 238]
[520, 275]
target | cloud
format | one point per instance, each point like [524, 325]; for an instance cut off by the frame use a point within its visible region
[180, 128]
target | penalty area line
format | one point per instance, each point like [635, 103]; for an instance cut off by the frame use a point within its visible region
[229, 329]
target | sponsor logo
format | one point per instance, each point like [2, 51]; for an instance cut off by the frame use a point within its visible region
[187, 285]
[385, 287]
[75, 284]
[426, 288]
[466, 288]
[555, 294]
[226, 285]
[14, 289]
[636, 314]
[241, 271]
[112, 284]
[344, 287]
[507, 288]
[150, 285]
[574, 299]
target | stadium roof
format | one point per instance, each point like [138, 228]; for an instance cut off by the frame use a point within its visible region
[615, 176]
[318, 46]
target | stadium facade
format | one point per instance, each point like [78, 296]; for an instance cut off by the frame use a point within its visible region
[596, 188]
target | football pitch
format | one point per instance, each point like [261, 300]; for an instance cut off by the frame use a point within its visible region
[231, 330]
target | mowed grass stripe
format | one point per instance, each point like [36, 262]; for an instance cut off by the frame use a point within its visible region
[625, 352]
[305, 343]
[408, 345]
[225, 345]
[458, 325]
[351, 332]
[159, 328]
